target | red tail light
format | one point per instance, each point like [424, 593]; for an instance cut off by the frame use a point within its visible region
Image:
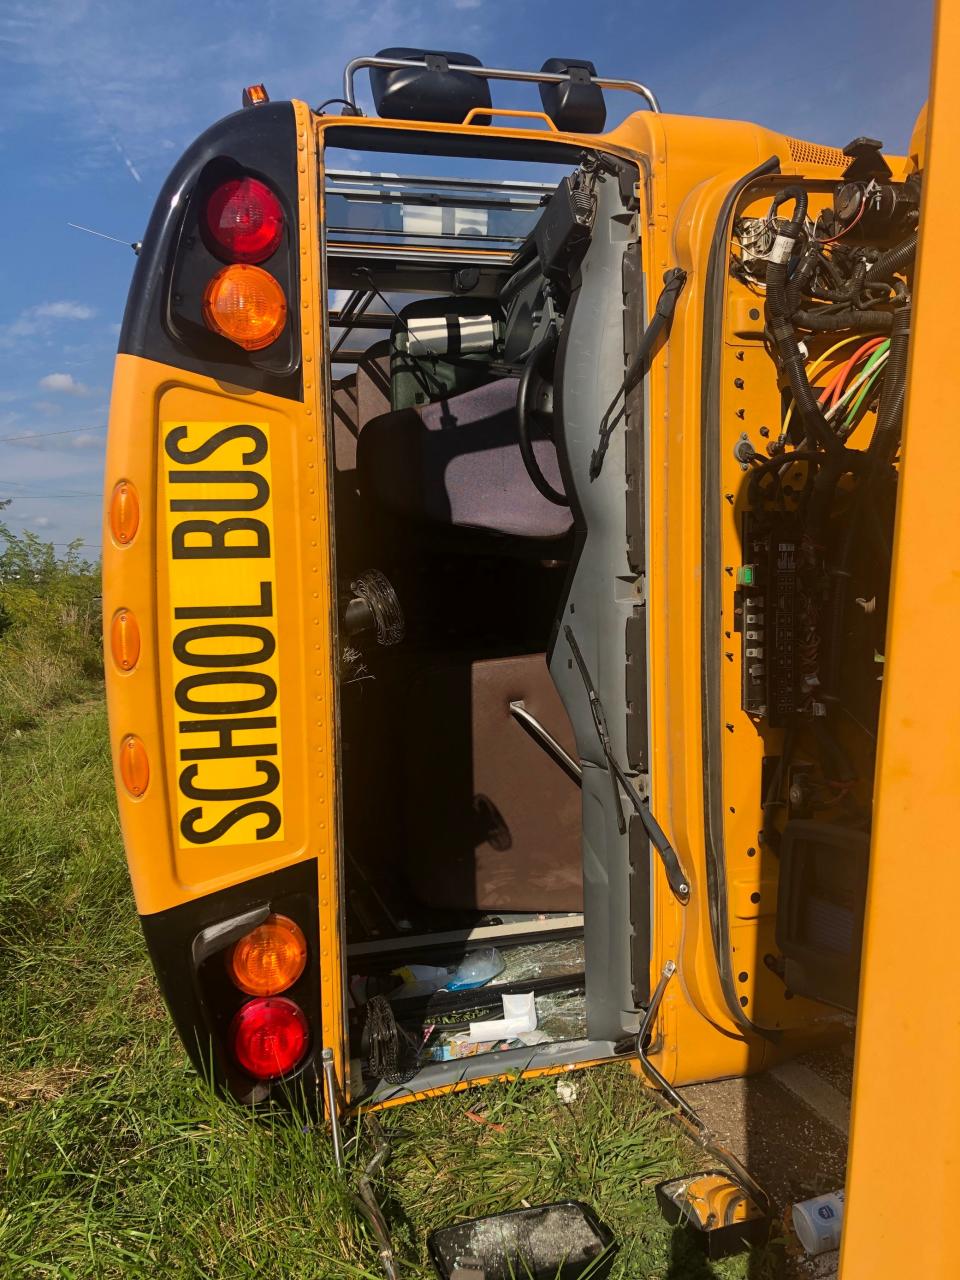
[244, 220]
[270, 1037]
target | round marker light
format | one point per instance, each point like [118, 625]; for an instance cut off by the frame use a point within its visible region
[244, 220]
[270, 1037]
[270, 958]
[246, 305]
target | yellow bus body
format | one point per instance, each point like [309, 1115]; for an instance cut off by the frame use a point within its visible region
[690, 170]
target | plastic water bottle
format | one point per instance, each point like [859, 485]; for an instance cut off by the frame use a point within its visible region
[477, 968]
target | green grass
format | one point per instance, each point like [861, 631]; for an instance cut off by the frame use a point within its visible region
[117, 1162]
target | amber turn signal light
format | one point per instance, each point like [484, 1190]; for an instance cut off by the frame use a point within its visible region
[134, 765]
[125, 640]
[124, 513]
[269, 959]
[246, 305]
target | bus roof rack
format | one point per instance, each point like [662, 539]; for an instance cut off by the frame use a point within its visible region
[485, 73]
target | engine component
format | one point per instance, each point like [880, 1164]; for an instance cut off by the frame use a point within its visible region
[374, 607]
[876, 210]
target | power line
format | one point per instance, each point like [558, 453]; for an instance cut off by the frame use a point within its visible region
[41, 497]
[89, 546]
[45, 435]
[35, 485]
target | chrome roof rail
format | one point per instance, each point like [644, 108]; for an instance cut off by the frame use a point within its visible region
[487, 73]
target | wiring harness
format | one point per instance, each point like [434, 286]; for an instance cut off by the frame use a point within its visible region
[814, 284]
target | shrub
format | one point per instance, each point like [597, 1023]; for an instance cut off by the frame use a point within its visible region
[50, 631]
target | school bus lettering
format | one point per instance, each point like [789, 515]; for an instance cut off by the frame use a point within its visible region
[226, 747]
[214, 706]
[189, 788]
[223, 635]
[219, 438]
[195, 835]
[216, 546]
[266, 638]
[261, 494]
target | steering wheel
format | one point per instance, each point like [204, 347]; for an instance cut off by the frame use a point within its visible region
[535, 400]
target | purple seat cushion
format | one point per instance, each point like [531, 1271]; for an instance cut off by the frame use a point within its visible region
[457, 462]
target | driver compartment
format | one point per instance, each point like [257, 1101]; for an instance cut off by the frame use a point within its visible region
[461, 777]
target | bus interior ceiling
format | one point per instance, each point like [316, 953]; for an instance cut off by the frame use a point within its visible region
[461, 802]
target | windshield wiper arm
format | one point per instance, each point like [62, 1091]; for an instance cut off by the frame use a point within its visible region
[673, 282]
[676, 877]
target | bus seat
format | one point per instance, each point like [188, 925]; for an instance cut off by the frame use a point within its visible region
[358, 398]
[373, 382]
[492, 821]
[457, 462]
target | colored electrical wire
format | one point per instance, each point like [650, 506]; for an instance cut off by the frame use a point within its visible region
[873, 370]
[812, 369]
[857, 382]
[850, 421]
[847, 369]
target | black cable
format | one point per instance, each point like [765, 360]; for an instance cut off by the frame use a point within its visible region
[780, 326]
[765, 465]
[829, 321]
[769, 834]
[352, 108]
[886, 434]
[894, 260]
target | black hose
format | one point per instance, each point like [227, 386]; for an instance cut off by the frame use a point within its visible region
[893, 261]
[852, 318]
[540, 355]
[780, 460]
[799, 282]
[886, 434]
[823, 489]
[796, 224]
[844, 292]
[769, 832]
[782, 330]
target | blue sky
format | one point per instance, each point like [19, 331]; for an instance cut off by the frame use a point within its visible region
[98, 99]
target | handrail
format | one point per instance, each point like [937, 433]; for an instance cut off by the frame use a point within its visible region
[507, 111]
[487, 73]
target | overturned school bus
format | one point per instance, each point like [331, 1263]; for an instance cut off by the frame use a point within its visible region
[499, 525]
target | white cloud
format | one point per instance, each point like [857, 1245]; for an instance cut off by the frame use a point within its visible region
[42, 522]
[63, 311]
[86, 440]
[65, 383]
[467, 4]
[39, 320]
